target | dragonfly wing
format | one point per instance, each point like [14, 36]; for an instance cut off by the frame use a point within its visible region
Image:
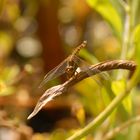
[54, 73]
[86, 66]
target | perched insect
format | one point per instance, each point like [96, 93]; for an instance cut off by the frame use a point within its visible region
[68, 66]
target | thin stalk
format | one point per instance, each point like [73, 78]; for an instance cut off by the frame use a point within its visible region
[111, 134]
[99, 119]
[123, 4]
[135, 6]
[126, 36]
[102, 116]
[126, 33]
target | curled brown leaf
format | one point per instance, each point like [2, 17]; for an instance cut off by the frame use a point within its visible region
[95, 69]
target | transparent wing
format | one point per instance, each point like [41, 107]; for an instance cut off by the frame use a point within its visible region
[54, 73]
[85, 66]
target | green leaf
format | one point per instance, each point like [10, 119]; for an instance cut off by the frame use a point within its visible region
[119, 87]
[90, 95]
[6, 43]
[9, 74]
[109, 13]
[105, 96]
[80, 115]
[88, 56]
[58, 135]
[6, 90]
[136, 39]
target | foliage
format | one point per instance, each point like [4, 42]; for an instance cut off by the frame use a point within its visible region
[129, 42]
[33, 38]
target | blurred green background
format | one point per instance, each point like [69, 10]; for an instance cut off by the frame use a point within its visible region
[35, 36]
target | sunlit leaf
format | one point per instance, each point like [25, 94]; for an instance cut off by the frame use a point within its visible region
[105, 96]
[90, 94]
[10, 74]
[5, 90]
[58, 135]
[80, 114]
[136, 38]
[88, 56]
[109, 13]
[119, 87]
[12, 11]
[6, 44]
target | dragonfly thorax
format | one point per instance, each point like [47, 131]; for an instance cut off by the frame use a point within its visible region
[70, 69]
[68, 66]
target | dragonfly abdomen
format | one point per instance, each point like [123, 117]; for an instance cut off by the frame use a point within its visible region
[71, 65]
[76, 51]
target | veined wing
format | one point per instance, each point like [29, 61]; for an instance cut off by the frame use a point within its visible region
[85, 66]
[54, 73]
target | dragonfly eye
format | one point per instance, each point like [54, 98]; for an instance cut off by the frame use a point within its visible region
[69, 69]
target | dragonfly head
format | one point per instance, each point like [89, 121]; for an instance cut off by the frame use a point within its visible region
[70, 70]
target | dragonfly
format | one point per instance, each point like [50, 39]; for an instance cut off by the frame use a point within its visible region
[67, 66]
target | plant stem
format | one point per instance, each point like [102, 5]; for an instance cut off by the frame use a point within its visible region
[126, 33]
[99, 119]
[135, 6]
[126, 37]
[102, 116]
[111, 134]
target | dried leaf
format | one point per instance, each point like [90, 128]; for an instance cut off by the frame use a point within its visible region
[46, 97]
[59, 89]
